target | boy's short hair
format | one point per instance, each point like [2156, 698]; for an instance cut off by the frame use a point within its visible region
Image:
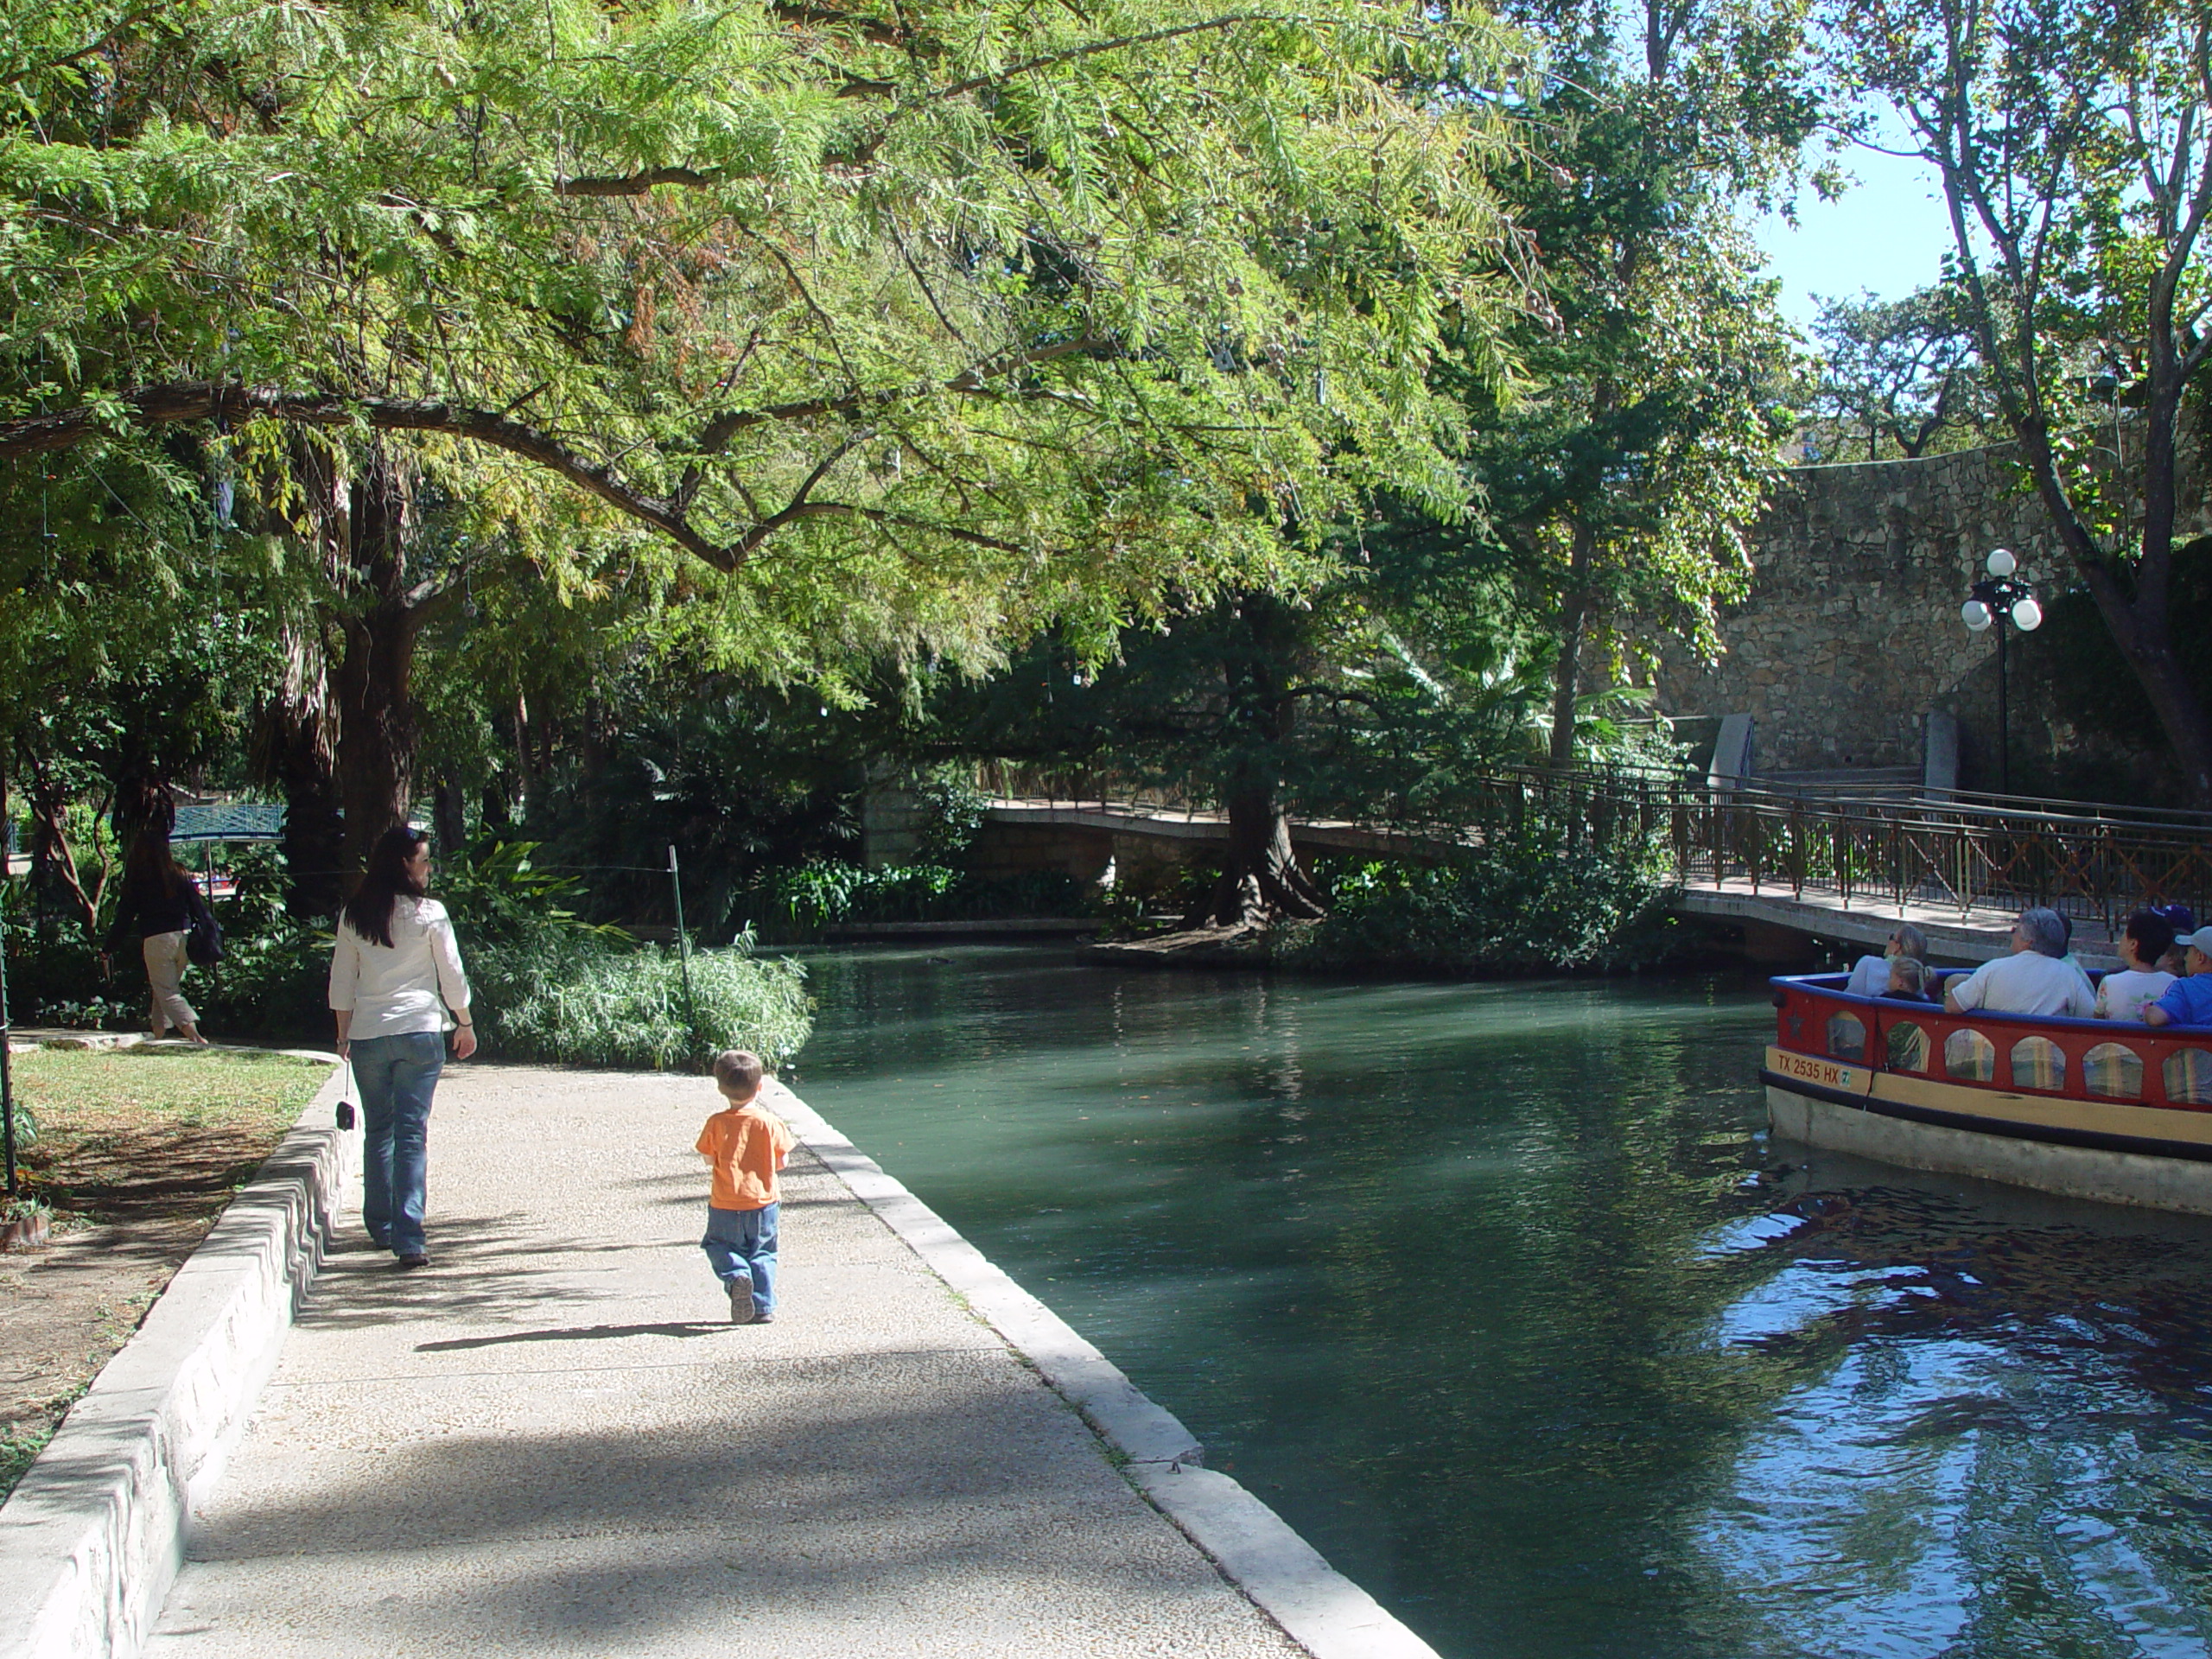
[2152, 933]
[738, 1072]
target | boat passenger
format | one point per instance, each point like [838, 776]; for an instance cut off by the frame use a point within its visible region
[2188, 1000]
[1870, 975]
[2183, 920]
[1909, 980]
[2070, 958]
[2126, 995]
[2033, 980]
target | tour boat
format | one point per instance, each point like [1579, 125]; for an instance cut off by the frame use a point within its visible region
[2095, 1109]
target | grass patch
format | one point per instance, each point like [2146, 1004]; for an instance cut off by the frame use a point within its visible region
[149, 1147]
[133, 1132]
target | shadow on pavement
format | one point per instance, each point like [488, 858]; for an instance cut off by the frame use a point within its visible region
[581, 1333]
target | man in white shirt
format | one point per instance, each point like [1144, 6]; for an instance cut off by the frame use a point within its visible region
[2034, 980]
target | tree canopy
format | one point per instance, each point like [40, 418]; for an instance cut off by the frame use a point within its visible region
[921, 324]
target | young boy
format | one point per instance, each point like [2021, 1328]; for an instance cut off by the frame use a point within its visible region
[745, 1144]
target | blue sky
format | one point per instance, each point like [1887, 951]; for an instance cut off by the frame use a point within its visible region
[1887, 234]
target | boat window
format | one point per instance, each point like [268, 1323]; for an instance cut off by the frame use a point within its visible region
[1847, 1037]
[2188, 1077]
[2038, 1062]
[2114, 1070]
[1908, 1047]
[1970, 1056]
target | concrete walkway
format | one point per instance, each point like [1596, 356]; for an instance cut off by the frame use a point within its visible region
[552, 1441]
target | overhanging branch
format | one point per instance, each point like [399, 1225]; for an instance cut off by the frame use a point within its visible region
[36, 434]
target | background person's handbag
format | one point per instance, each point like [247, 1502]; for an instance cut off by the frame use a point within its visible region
[203, 940]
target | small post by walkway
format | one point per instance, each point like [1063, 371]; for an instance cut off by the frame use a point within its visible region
[7, 1070]
[683, 943]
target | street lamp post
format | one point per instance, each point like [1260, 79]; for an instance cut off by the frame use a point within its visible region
[1994, 599]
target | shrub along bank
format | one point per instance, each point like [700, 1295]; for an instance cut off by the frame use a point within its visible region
[1530, 900]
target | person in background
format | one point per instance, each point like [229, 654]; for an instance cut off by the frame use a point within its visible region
[394, 966]
[2034, 979]
[2188, 1000]
[159, 904]
[2126, 994]
[2183, 920]
[2072, 960]
[1909, 980]
[1870, 975]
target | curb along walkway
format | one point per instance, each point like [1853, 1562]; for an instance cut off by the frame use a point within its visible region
[552, 1441]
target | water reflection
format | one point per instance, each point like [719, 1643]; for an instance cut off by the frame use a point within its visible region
[1498, 1295]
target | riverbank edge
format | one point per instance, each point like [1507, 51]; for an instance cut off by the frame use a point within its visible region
[1322, 1610]
[95, 1532]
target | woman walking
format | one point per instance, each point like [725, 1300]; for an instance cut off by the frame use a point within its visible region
[160, 903]
[394, 974]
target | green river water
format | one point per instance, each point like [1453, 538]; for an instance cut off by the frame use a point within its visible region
[1499, 1294]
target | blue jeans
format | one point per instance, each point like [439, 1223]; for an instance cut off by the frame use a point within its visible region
[744, 1241]
[397, 1076]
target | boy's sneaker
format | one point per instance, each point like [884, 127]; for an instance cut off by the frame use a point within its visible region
[741, 1299]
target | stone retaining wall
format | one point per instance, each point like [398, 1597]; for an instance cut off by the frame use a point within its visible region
[1851, 632]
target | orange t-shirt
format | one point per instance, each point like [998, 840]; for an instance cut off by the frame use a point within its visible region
[747, 1146]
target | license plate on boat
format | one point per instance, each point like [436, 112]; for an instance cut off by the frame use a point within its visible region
[1811, 1068]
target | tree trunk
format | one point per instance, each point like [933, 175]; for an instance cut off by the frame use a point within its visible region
[1261, 881]
[1574, 606]
[376, 711]
[53, 864]
[376, 728]
[313, 837]
[2137, 620]
[449, 823]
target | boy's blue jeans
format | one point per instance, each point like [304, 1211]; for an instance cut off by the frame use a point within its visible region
[397, 1076]
[744, 1241]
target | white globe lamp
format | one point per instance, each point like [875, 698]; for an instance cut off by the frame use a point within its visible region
[2002, 563]
[1976, 615]
[2027, 615]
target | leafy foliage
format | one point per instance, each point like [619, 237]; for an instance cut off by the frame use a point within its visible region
[1897, 377]
[579, 1001]
[920, 328]
[820, 896]
[1535, 898]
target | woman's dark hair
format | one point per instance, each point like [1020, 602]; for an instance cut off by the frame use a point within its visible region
[370, 908]
[2152, 933]
[151, 865]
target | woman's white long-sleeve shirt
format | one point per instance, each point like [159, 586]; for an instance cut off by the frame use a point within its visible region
[390, 990]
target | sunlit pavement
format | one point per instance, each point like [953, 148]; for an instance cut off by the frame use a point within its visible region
[552, 1441]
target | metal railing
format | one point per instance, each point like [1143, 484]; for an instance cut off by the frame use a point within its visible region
[2084, 860]
[2092, 861]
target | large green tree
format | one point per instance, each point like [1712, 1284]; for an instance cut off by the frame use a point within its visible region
[1621, 467]
[913, 326]
[1897, 377]
[2074, 145]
